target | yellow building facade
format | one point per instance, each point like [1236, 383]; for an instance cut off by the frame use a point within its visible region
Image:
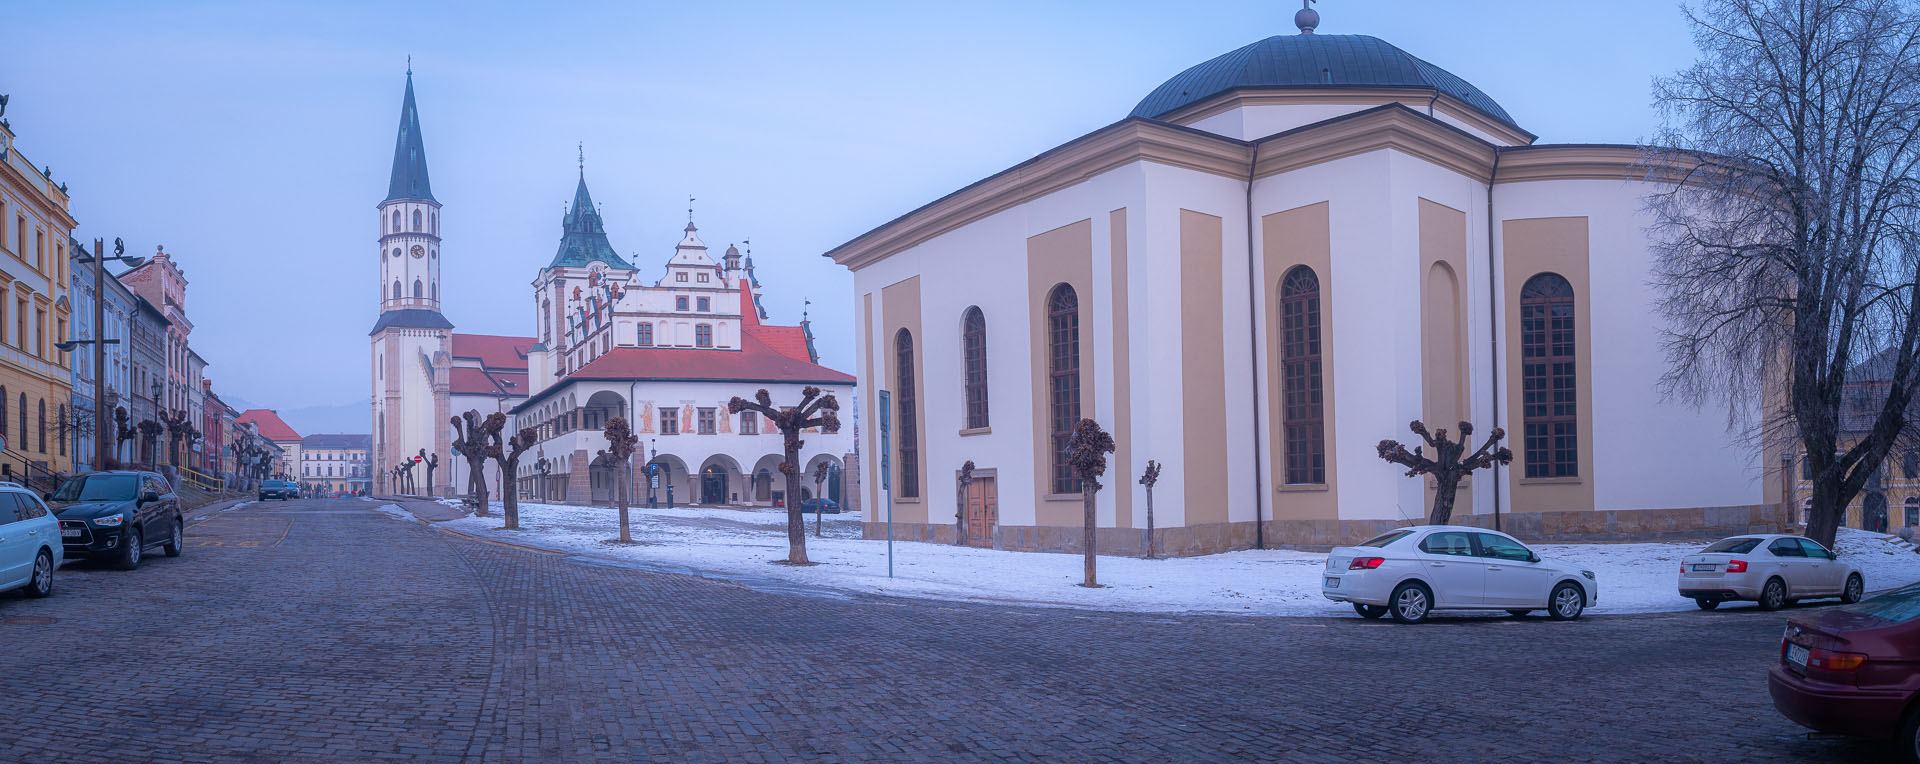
[35, 380]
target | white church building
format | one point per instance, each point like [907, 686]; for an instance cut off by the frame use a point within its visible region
[1281, 257]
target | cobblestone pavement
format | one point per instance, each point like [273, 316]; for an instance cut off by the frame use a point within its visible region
[322, 630]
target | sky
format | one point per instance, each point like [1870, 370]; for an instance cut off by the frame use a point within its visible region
[254, 139]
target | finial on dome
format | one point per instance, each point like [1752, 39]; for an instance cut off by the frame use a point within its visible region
[1307, 19]
[409, 64]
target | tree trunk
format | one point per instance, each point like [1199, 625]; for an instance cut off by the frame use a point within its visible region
[509, 496]
[796, 522]
[1823, 521]
[626, 530]
[477, 478]
[1087, 489]
[819, 505]
[960, 516]
[1444, 488]
[1150, 523]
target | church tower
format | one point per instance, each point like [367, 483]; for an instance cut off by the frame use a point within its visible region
[411, 341]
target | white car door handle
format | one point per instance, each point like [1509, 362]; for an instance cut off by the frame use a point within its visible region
[1493, 567]
[1434, 564]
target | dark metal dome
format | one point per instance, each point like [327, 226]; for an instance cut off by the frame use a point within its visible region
[1312, 61]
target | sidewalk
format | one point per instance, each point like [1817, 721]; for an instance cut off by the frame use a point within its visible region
[426, 509]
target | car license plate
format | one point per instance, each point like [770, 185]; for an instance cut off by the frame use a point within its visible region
[1797, 655]
[1333, 583]
[69, 533]
[1706, 568]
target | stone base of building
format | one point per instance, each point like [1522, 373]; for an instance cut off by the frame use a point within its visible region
[1607, 525]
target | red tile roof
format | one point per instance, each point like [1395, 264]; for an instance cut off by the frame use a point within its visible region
[493, 351]
[789, 341]
[470, 381]
[272, 427]
[754, 362]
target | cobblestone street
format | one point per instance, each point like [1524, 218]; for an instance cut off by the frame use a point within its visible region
[327, 631]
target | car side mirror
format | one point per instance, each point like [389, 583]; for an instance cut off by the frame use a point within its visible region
[149, 497]
[1533, 557]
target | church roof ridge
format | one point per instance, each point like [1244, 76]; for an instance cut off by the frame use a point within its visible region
[409, 178]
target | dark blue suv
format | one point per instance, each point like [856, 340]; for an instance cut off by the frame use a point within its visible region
[117, 516]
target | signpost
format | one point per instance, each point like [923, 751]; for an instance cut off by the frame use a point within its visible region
[886, 469]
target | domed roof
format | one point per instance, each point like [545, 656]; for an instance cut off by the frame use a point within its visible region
[1312, 61]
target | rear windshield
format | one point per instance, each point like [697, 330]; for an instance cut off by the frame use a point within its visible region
[1385, 538]
[1732, 546]
[1898, 606]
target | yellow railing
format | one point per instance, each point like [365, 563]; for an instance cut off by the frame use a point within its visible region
[202, 480]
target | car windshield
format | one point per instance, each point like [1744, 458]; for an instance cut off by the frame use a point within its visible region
[1385, 538]
[1732, 546]
[1898, 606]
[98, 488]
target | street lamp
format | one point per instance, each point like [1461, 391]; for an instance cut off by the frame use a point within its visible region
[99, 261]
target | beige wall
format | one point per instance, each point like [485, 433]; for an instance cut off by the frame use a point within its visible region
[1532, 246]
[1203, 398]
[1062, 255]
[1443, 356]
[900, 309]
[869, 388]
[1121, 476]
[1300, 236]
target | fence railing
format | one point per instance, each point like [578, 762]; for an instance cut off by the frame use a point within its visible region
[202, 481]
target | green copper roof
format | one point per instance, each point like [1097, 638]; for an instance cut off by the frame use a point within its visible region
[409, 154]
[583, 237]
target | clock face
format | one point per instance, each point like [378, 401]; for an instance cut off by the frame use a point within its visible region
[419, 251]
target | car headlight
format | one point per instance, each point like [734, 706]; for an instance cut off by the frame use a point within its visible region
[109, 521]
[1588, 574]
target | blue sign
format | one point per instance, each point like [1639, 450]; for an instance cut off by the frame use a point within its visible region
[886, 451]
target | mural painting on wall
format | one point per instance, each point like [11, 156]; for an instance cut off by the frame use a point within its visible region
[646, 417]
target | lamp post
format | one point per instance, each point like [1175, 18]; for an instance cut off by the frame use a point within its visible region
[99, 261]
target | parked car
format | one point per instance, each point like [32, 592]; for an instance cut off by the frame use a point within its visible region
[30, 549]
[823, 506]
[1854, 670]
[278, 489]
[118, 515]
[1772, 570]
[1411, 572]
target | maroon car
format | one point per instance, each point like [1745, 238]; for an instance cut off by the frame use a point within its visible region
[1854, 670]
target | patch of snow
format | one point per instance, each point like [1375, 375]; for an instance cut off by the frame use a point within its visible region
[396, 512]
[742, 544]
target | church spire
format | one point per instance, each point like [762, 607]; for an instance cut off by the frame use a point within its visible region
[409, 180]
[583, 235]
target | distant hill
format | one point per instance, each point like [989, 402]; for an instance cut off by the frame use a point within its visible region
[355, 417]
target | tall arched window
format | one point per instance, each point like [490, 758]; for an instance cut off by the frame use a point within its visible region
[436, 224]
[908, 429]
[396, 289]
[43, 425]
[1549, 408]
[1063, 380]
[419, 290]
[23, 422]
[62, 422]
[3, 410]
[416, 220]
[973, 344]
[396, 221]
[1302, 392]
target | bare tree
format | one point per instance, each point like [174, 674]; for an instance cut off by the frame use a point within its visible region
[472, 445]
[506, 456]
[814, 410]
[150, 438]
[1784, 244]
[1147, 478]
[1087, 453]
[621, 443]
[1446, 465]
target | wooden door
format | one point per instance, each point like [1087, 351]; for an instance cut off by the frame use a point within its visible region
[983, 511]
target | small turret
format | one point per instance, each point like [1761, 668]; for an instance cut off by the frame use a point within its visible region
[731, 258]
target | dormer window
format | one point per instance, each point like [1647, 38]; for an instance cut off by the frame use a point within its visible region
[681, 276]
[680, 303]
[704, 303]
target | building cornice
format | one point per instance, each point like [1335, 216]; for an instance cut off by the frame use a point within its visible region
[1580, 161]
[1390, 126]
[1417, 99]
[1122, 143]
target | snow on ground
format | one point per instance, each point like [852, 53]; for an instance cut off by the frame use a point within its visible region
[743, 544]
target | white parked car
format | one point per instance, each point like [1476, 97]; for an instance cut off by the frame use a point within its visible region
[1412, 572]
[1770, 569]
[30, 548]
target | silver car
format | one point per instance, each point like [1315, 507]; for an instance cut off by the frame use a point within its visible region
[1769, 569]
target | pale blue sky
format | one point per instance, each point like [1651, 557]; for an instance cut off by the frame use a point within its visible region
[254, 139]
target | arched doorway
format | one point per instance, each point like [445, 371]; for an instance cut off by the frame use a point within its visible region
[713, 485]
[831, 487]
[769, 485]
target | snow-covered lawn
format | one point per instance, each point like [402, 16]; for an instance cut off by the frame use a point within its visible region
[742, 544]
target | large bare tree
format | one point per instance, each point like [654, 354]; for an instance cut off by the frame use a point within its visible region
[1784, 246]
[1087, 453]
[506, 455]
[471, 442]
[814, 410]
[621, 443]
[1447, 465]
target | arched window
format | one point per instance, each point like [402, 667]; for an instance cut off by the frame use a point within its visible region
[418, 289]
[703, 336]
[3, 410]
[416, 220]
[1912, 515]
[434, 289]
[436, 224]
[23, 423]
[1549, 407]
[973, 345]
[396, 289]
[1302, 392]
[43, 426]
[62, 423]
[1063, 380]
[396, 221]
[908, 428]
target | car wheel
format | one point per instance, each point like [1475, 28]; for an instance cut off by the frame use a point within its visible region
[1856, 589]
[1567, 602]
[130, 553]
[177, 541]
[1909, 740]
[1410, 602]
[1518, 613]
[1774, 595]
[1706, 604]
[1369, 611]
[42, 583]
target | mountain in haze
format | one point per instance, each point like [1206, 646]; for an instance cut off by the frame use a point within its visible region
[352, 418]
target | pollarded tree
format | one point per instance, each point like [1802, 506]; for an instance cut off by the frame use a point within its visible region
[1446, 465]
[472, 445]
[815, 410]
[960, 510]
[506, 456]
[621, 443]
[1087, 454]
[1786, 254]
[149, 438]
[1148, 477]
